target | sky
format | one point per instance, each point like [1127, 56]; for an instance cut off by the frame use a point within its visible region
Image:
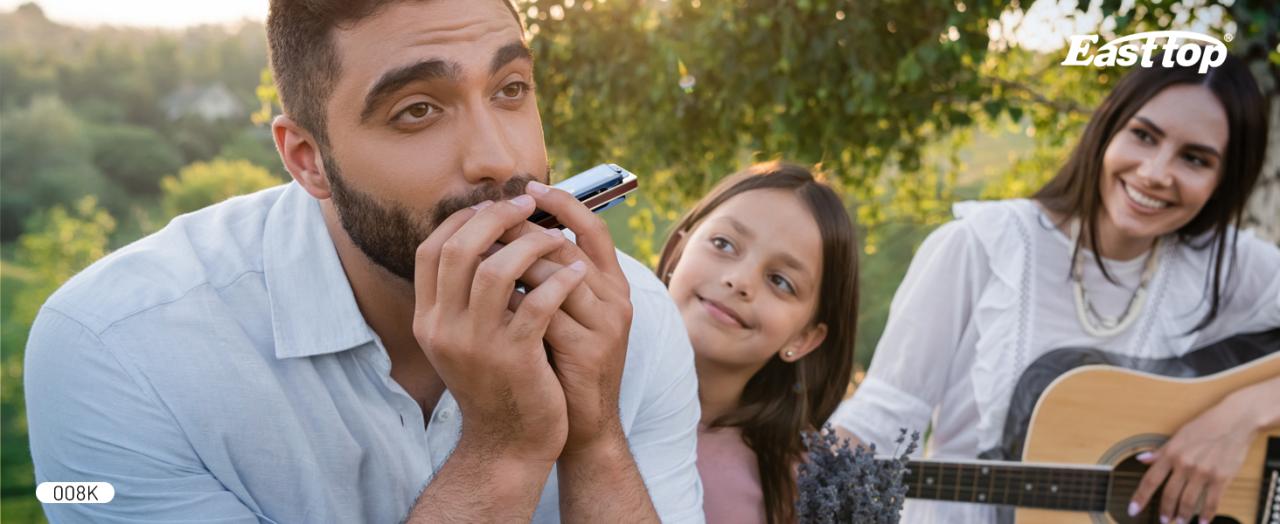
[148, 13]
[1044, 27]
[171, 14]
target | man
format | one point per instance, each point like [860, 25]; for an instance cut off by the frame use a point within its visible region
[348, 347]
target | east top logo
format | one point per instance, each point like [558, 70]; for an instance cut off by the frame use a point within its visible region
[1187, 48]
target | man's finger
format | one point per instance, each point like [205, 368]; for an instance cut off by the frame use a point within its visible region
[464, 249]
[537, 307]
[427, 260]
[496, 276]
[582, 304]
[591, 231]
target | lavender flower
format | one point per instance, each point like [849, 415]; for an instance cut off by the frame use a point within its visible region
[839, 485]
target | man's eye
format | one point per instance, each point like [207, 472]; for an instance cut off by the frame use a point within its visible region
[416, 111]
[515, 89]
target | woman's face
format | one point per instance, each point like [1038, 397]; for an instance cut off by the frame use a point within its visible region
[1162, 166]
[747, 281]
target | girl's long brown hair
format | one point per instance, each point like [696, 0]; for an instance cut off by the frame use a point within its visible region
[1075, 192]
[784, 399]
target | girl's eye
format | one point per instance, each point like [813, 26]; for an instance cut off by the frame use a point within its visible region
[1143, 135]
[721, 244]
[416, 113]
[516, 90]
[783, 284]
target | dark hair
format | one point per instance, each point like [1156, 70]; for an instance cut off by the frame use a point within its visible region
[784, 399]
[1075, 190]
[304, 61]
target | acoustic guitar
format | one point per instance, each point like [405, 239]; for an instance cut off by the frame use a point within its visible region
[1081, 416]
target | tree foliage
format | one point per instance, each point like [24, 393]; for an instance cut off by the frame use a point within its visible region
[206, 183]
[45, 159]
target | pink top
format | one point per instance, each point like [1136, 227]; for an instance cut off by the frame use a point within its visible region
[730, 477]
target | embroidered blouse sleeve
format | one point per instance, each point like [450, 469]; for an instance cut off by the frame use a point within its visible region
[928, 317]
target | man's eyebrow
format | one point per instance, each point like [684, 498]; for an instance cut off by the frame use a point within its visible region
[393, 80]
[506, 54]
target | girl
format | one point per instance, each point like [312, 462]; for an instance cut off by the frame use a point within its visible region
[764, 271]
[1131, 248]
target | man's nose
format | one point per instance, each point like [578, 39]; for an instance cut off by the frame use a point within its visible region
[488, 156]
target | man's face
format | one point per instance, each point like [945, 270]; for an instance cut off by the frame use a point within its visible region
[433, 112]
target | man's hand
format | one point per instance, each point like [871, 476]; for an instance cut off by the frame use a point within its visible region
[493, 360]
[588, 336]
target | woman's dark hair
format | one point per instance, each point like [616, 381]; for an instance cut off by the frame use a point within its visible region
[784, 399]
[1075, 192]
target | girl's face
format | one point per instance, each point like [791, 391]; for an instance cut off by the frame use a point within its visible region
[747, 281]
[1161, 168]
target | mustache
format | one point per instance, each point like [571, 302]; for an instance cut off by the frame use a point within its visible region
[511, 188]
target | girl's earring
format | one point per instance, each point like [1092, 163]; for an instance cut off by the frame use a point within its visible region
[789, 353]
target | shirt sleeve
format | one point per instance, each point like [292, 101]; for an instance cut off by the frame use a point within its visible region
[1251, 296]
[92, 420]
[663, 438]
[927, 321]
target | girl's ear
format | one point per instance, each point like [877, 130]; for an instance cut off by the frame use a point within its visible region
[804, 343]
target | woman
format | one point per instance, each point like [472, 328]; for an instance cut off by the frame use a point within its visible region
[1131, 248]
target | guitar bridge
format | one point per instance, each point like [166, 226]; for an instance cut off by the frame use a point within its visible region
[1270, 511]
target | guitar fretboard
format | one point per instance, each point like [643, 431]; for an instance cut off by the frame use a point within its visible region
[1049, 487]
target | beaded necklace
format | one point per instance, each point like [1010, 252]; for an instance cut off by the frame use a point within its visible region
[1093, 322]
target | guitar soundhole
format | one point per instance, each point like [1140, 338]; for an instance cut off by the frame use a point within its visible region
[1128, 473]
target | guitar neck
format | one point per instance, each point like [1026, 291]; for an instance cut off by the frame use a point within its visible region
[1063, 487]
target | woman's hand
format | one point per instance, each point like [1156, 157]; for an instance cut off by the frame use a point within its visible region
[1205, 454]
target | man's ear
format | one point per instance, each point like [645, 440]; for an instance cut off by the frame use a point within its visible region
[301, 156]
[804, 343]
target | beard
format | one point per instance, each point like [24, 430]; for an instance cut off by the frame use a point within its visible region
[388, 233]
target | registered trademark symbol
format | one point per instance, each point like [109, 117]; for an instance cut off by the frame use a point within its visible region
[1229, 37]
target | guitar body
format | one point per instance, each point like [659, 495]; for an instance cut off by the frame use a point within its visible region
[1106, 415]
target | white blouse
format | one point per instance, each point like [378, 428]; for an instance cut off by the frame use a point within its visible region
[989, 292]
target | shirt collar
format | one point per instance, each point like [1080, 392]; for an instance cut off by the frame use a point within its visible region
[313, 311]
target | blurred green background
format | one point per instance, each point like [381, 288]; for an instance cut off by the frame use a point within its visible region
[106, 133]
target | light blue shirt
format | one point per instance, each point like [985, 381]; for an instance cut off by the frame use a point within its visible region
[219, 370]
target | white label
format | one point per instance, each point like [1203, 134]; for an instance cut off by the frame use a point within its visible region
[75, 492]
[1186, 48]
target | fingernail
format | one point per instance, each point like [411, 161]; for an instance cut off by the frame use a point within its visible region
[482, 205]
[522, 201]
[1204, 520]
[1179, 521]
[578, 266]
[1134, 508]
[1144, 456]
[538, 188]
[553, 233]
[1164, 519]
